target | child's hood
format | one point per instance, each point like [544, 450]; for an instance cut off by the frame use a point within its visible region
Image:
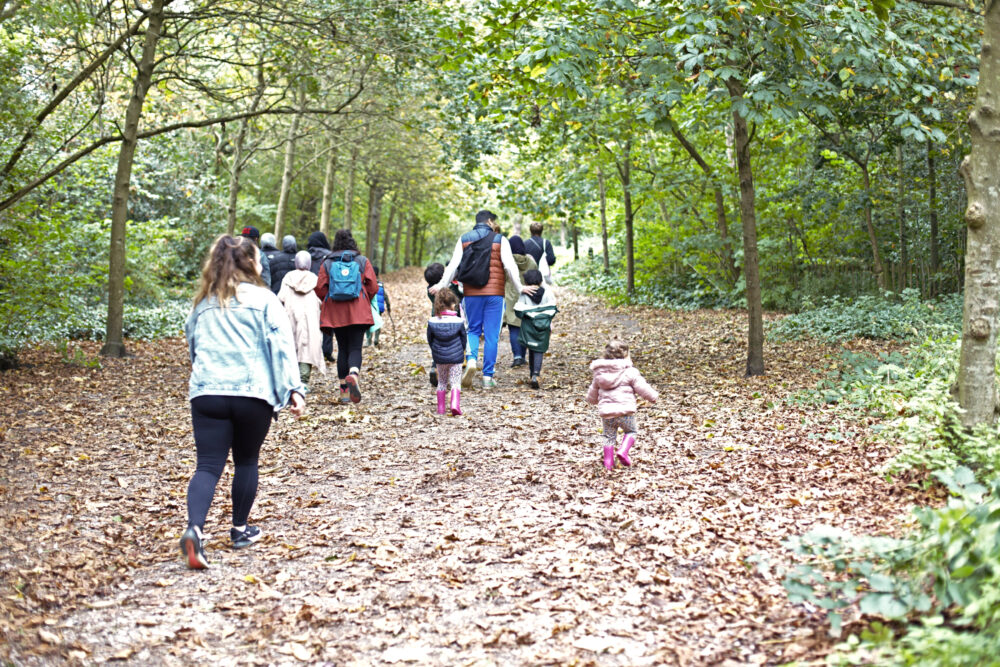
[611, 373]
[300, 281]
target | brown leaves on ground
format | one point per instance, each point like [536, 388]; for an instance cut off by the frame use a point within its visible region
[394, 535]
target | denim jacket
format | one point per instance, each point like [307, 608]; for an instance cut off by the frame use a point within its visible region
[243, 350]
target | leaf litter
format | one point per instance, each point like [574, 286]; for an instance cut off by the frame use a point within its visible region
[398, 536]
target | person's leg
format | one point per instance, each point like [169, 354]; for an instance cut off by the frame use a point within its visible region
[516, 349]
[354, 337]
[535, 360]
[442, 385]
[610, 437]
[375, 337]
[251, 422]
[474, 306]
[340, 333]
[213, 435]
[327, 345]
[305, 371]
[455, 382]
[628, 439]
[492, 321]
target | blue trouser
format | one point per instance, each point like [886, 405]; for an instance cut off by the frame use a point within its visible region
[485, 316]
[516, 348]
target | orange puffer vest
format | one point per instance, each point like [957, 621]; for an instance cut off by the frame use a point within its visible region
[495, 285]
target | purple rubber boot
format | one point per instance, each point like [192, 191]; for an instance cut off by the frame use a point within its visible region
[609, 457]
[455, 404]
[440, 402]
[627, 441]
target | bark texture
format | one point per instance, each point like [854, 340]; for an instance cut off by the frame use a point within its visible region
[286, 176]
[328, 185]
[976, 373]
[114, 344]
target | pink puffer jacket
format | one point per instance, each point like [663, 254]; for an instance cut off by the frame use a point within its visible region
[616, 383]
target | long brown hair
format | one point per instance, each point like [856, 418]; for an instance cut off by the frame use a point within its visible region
[231, 261]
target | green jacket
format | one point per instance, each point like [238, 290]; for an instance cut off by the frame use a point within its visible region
[524, 263]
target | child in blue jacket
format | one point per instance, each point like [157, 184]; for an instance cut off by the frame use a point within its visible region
[447, 337]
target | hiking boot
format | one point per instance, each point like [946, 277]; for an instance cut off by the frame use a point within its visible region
[518, 361]
[489, 382]
[627, 441]
[441, 401]
[193, 550]
[352, 388]
[434, 378]
[245, 537]
[455, 405]
[535, 383]
[469, 374]
[609, 457]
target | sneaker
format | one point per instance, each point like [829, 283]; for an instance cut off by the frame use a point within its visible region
[245, 537]
[534, 382]
[489, 382]
[518, 361]
[434, 378]
[193, 550]
[345, 397]
[353, 389]
[469, 374]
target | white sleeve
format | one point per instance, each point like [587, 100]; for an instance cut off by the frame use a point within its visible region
[449, 271]
[509, 265]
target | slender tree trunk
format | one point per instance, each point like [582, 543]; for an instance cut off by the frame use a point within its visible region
[419, 242]
[329, 178]
[239, 159]
[576, 241]
[375, 194]
[877, 267]
[349, 191]
[977, 363]
[729, 268]
[410, 234]
[286, 175]
[904, 256]
[748, 215]
[114, 343]
[562, 232]
[602, 189]
[932, 205]
[625, 176]
[395, 250]
[388, 235]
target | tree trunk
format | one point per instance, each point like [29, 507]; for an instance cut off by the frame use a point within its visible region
[388, 235]
[410, 233]
[349, 191]
[904, 257]
[576, 241]
[329, 177]
[375, 194]
[562, 232]
[729, 268]
[286, 176]
[114, 343]
[602, 189]
[877, 267]
[395, 250]
[932, 205]
[977, 363]
[625, 176]
[239, 160]
[748, 216]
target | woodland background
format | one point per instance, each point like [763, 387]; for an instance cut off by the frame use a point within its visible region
[801, 159]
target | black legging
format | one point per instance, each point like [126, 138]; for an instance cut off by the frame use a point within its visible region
[221, 423]
[349, 342]
[535, 362]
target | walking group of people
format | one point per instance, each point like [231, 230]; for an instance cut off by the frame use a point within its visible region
[263, 319]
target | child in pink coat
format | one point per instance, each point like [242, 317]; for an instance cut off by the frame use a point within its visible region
[615, 386]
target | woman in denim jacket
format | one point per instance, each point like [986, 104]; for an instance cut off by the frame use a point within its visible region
[243, 371]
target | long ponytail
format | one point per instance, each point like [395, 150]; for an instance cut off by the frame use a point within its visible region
[231, 261]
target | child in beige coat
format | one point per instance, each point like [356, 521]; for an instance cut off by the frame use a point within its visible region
[303, 306]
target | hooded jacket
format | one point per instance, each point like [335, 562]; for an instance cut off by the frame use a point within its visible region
[302, 306]
[447, 337]
[615, 385]
[511, 295]
[282, 261]
[319, 249]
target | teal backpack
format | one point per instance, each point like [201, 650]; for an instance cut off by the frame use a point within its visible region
[345, 273]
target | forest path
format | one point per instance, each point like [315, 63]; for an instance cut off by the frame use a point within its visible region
[394, 535]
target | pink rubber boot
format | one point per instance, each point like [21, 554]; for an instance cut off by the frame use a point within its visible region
[440, 402]
[627, 441]
[609, 457]
[456, 402]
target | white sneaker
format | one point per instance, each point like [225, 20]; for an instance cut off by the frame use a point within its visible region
[469, 374]
[489, 382]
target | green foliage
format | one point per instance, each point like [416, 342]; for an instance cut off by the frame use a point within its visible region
[883, 318]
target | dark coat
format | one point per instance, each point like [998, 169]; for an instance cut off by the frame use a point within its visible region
[319, 249]
[447, 337]
[537, 246]
[282, 262]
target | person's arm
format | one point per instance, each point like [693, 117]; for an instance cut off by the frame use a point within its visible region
[593, 394]
[449, 271]
[369, 283]
[644, 389]
[282, 358]
[322, 282]
[430, 334]
[550, 253]
[510, 267]
[265, 269]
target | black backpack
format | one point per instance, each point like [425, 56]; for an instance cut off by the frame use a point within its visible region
[474, 269]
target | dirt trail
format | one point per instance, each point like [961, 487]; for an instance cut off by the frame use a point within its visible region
[394, 535]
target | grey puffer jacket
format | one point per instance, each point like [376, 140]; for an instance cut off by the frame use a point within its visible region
[447, 337]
